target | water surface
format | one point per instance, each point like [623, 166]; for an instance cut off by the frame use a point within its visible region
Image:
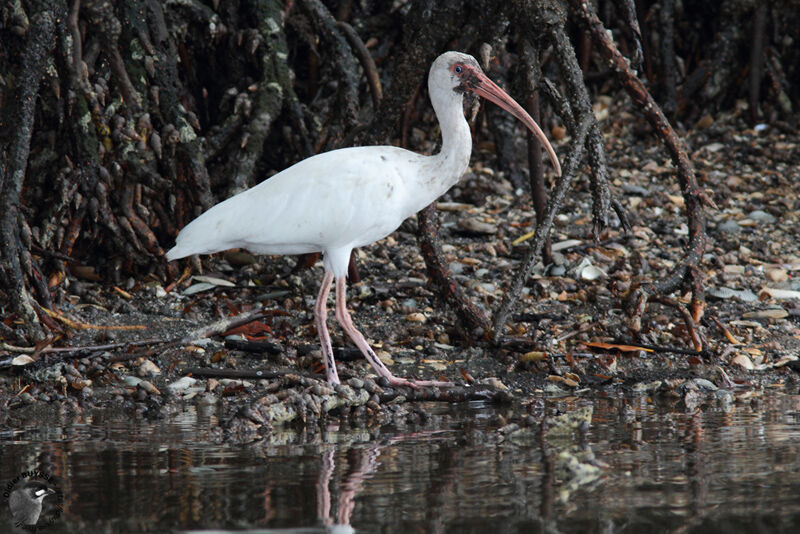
[659, 469]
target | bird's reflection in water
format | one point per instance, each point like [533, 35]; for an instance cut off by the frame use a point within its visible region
[362, 463]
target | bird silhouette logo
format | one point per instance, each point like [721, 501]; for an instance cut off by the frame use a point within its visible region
[26, 496]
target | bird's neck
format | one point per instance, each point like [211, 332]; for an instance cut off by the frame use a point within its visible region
[445, 169]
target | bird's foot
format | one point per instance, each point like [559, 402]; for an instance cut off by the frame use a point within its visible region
[417, 384]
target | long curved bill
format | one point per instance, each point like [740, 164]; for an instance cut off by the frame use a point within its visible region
[490, 91]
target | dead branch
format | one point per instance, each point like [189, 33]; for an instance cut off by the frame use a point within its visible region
[223, 325]
[101, 14]
[551, 18]
[40, 42]
[241, 374]
[570, 170]
[267, 100]
[532, 70]
[469, 314]
[451, 394]
[342, 57]
[694, 198]
[365, 58]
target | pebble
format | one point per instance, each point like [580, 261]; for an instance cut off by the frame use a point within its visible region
[729, 227]
[743, 361]
[416, 317]
[724, 293]
[771, 313]
[778, 294]
[494, 382]
[762, 217]
[148, 387]
[592, 272]
[356, 383]
[777, 275]
[372, 387]
[476, 226]
[148, 368]
[733, 269]
[181, 384]
[131, 381]
[456, 267]
[702, 383]
[22, 359]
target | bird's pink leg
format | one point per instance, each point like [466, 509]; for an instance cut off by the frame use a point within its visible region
[320, 320]
[346, 323]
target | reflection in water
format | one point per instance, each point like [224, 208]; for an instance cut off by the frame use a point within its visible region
[365, 463]
[464, 470]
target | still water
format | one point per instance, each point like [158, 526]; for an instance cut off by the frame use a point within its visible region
[656, 469]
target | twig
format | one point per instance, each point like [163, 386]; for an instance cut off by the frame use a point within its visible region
[253, 346]
[68, 353]
[473, 318]
[532, 70]
[628, 8]
[252, 374]
[731, 338]
[342, 58]
[223, 325]
[85, 326]
[452, 394]
[668, 68]
[694, 197]
[216, 328]
[542, 230]
[550, 18]
[365, 58]
[691, 327]
[664, 348]
[757, 59]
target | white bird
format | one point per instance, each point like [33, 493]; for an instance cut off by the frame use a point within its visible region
[339, 200]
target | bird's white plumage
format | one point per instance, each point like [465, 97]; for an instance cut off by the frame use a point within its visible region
[347, 198]
[336, 200]
[342, 199]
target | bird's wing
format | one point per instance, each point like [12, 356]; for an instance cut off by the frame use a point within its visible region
[351, 196]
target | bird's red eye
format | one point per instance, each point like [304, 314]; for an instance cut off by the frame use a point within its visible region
[457, 69]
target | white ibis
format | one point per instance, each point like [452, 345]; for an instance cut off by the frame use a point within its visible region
[339, 200]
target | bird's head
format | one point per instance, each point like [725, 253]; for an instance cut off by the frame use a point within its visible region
[459, 72]
[37, 491]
